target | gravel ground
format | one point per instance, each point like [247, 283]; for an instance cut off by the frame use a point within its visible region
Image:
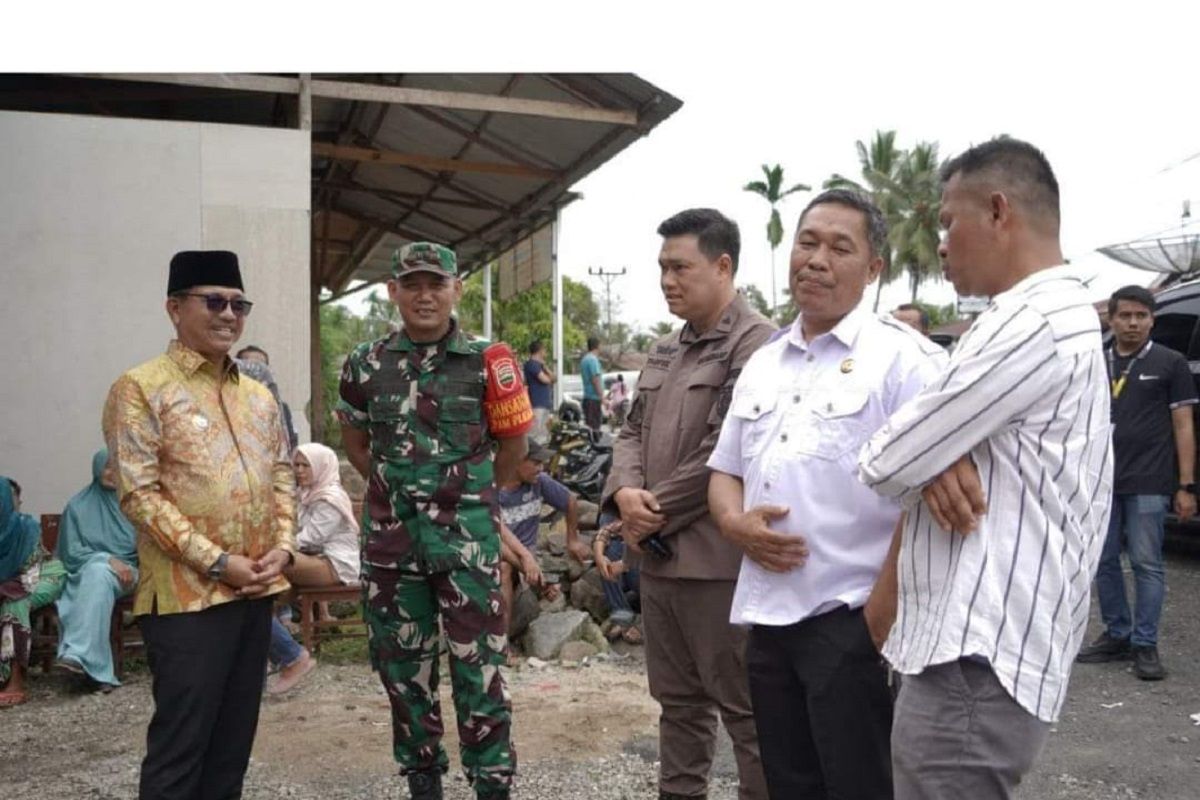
[589, 731]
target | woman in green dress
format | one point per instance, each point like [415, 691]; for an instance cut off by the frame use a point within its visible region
[98, 547]
[29, 579]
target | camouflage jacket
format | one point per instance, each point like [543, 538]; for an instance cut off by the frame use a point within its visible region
[431, 499]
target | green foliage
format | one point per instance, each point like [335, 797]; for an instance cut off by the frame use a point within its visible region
[518, 321]
[529, 316]
[939, 315]
[904, 184]
[786, 312]
[878, 165]
[660, 329]
[773, 192]
[915, 235]
[641, 341]
[341, 330]
[774, 229]
[754, 297]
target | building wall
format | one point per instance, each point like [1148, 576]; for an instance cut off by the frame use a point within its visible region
[93, 209]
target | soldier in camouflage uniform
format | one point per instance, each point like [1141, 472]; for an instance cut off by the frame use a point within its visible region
[420, 412]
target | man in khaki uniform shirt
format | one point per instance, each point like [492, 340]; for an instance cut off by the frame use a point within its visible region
[659, 484]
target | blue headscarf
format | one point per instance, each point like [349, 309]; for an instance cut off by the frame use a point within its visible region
[19, 534]
[92, 524]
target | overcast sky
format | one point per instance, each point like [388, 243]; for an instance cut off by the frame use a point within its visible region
[1111, 97]
[1112, 108]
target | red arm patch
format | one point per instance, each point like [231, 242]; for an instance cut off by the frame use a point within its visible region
[506, 403]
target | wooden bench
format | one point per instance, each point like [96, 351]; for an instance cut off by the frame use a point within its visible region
[45, 624]
[311, 624]
[309, 600]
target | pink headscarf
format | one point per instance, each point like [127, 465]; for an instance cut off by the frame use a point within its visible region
[326, 481]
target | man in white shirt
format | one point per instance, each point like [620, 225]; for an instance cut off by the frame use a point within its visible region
[783, 489]
[1004, 463]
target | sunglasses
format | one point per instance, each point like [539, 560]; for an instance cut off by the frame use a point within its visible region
[216, 303]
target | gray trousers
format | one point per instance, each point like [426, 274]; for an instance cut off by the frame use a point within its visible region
[696, 666]
[958, 734]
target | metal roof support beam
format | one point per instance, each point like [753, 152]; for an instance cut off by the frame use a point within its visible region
[504, 150]
[443, 178]
[386, 225]
[389, 194]
[348, 153]
[375, 93]
[359, 253]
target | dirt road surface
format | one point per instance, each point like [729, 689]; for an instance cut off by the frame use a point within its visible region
[589, 731]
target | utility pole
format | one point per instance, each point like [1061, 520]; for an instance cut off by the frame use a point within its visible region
[608, 278]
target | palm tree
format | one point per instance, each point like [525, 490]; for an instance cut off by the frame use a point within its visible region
[769, 190]
[880, 164]
[915, 233]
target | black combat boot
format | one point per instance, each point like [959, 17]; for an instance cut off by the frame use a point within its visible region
[672, 796]
[425, 784]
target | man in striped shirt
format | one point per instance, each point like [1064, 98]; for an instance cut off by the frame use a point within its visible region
[1004, 465]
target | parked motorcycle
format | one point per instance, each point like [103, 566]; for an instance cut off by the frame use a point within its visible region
[582, 460]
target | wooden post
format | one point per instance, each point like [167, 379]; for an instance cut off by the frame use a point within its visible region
[319, 412]
[487, 301]
[556, 302]
[316, 377]
[305, 101]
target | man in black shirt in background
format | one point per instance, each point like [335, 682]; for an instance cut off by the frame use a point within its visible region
[1154, 453]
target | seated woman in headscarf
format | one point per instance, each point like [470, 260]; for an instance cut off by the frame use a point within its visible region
[98, 547]
[29, 579]
[327, 536]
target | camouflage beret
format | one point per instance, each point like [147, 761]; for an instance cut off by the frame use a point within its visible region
[424, 257]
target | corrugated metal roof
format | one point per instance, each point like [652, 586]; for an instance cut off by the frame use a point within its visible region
[374, 207]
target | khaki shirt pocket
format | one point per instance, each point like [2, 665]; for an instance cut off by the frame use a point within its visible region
[703, 396]
[650, 383]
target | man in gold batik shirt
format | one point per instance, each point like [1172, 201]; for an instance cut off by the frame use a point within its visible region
[205, 477]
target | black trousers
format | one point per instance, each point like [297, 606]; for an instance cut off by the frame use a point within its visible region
[592, 414]
[822, 708]
[208, 669]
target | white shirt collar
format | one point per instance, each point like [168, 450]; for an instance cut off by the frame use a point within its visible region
[1041, 276]
[846, 331]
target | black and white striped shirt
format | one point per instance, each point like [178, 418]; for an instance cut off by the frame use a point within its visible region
[1026, 395]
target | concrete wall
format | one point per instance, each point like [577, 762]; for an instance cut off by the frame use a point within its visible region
[91, 211]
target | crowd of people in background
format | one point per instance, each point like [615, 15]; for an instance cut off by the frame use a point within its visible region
[769, 488]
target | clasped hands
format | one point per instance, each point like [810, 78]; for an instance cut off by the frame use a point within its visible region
[641, 515]
[251, 577]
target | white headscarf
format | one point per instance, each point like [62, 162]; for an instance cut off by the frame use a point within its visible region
[326, 481]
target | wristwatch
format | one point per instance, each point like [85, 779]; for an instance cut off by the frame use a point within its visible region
[1187, 487]
[218, 567]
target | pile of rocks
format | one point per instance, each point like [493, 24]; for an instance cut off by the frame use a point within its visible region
[567, 628]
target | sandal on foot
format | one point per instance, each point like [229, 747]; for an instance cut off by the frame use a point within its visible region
[286, 681]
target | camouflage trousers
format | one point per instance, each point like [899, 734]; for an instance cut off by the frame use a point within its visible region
[402, 607]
